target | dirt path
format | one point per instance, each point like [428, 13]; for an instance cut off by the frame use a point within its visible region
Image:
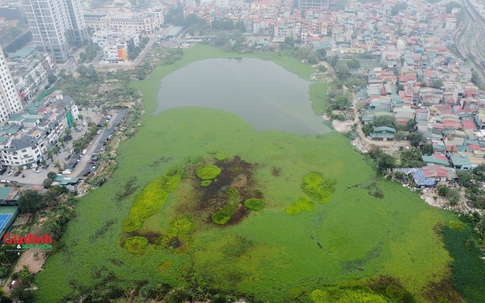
[30, 259]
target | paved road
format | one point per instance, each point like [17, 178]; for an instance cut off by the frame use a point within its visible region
[30, 178]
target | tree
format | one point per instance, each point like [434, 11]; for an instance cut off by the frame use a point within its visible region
[341, 103]
[438, 83]
[51, 78]
[398, 7]
[322, 68]
[47, 182]
[415, 138]
[289, 43]
[411, 158]
[388, 121]
[140, 73]
[443, 190]
[50, 198]
[30, 201]
[451, 5]
[353, 64]
[333, 61]
[410, 125]
[427, 149]
[400, 135]
[368, 128]
[321, 53]
[464, 178]
[51, 175]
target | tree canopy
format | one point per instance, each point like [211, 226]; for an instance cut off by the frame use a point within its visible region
[30, 201]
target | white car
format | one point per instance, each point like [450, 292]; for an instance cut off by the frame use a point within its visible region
[10, 172]
[37, 170]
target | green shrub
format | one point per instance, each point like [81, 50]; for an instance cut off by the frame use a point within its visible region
[208, 172]
[456, 225]
[182, 226]
[221, 218]
[148, 202]
[206, 183]
[221, 156]
[132, 223]
[394, 292]
[136, 245]
[232, 201]
[313, 178]
[254, 204]
[317, 187]
[302, 204]
[468, 270]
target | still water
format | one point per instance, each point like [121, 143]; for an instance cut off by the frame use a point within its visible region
[260, 92]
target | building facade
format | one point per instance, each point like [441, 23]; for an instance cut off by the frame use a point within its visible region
[55, 24]
[9, 98]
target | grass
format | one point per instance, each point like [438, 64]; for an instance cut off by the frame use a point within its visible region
[318, 95]
[269, 255]
[468, 270]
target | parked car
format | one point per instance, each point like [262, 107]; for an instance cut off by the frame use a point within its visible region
[3, 170]
[10, 172]
[37, 170]
[92, 162]
[17, 173]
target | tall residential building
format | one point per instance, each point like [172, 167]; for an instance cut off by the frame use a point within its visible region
[55, 24]
[9, 97]
[310, 4]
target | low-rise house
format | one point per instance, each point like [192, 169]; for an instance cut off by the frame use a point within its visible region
[436, 159]
[383, 133]
[460, 162]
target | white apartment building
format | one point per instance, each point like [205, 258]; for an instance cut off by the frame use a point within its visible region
[143, 22]
[55, 24]
[116, 51]
[9, 97]
[29, 136]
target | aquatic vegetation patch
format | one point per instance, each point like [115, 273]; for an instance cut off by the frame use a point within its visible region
[136, 245]
[254, 204]
[468, 269]
[222, 201]
[221, 156]
[148, 202]
[206, 183]
[317, 187]
[302, 204]
[165, 265]
[178, 235]
[456, 225]
[221, 218]
[208, 172]
[337, 294]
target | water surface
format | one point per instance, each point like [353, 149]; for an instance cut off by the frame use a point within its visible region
[261, 92]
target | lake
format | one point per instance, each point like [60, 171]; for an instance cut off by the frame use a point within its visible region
[260, 92]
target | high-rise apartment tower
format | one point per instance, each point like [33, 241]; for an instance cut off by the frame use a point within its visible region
[55, 24]
[9, 96]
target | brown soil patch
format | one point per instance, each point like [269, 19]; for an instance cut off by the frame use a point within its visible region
[150, 235]
[235, 173]
[240, 182]
[438, 291]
